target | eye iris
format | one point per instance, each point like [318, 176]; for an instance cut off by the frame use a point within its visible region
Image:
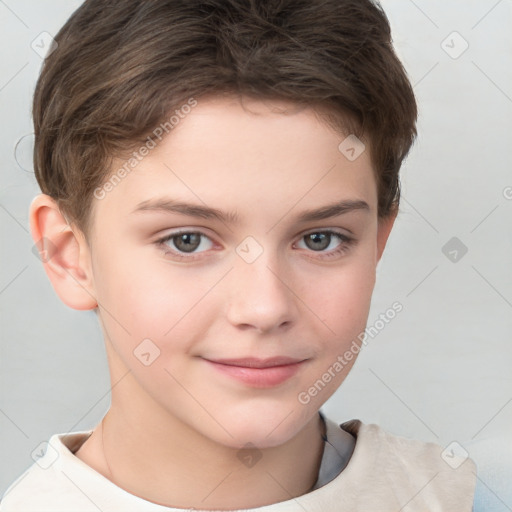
[319, 238]
[189, 242]
[187, 238]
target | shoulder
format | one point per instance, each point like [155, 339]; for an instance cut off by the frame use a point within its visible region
[493, 456]
[47, 485]
[414, 470]
[31, 490]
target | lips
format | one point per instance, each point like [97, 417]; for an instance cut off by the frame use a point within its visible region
[254, 362]
[258, 373]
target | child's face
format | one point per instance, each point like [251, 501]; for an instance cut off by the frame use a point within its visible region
[258, 287]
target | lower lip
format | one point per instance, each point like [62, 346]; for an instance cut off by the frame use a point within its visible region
[259, 377]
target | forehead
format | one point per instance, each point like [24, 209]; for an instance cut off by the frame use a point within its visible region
[245, 155]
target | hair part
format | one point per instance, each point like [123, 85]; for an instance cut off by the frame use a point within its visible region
[120, 69]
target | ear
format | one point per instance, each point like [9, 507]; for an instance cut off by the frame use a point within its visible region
[64, 252]
[384, 229]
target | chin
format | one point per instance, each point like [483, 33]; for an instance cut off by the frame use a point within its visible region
[264, 427]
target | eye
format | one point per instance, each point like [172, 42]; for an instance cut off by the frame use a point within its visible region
[319, 241]
[186, 242]
[183, 245]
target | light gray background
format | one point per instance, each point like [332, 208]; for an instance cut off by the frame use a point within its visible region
[440, 371]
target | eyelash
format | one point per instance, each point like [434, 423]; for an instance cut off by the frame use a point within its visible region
[346, 244]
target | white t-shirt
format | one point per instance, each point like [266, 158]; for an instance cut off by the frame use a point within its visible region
[363, 469]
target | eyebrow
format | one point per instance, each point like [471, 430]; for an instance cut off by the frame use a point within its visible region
[166, 204]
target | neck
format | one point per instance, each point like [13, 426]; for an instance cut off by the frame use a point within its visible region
[182, 469]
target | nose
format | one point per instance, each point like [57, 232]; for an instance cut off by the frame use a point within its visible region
[261, 294]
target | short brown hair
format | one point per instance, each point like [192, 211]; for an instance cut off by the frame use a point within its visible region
[121, 66]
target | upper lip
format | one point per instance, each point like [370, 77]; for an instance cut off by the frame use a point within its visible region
[254, 362]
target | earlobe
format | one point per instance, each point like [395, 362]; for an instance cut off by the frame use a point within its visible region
[384, 229]
[64, 253]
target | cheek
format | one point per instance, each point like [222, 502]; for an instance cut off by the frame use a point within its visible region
[141, 290]
[342, 297]
[152, 298]
[147, 298]
[147, 310]
[342, 302]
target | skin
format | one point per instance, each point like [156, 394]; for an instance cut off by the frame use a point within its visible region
[176, 426]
